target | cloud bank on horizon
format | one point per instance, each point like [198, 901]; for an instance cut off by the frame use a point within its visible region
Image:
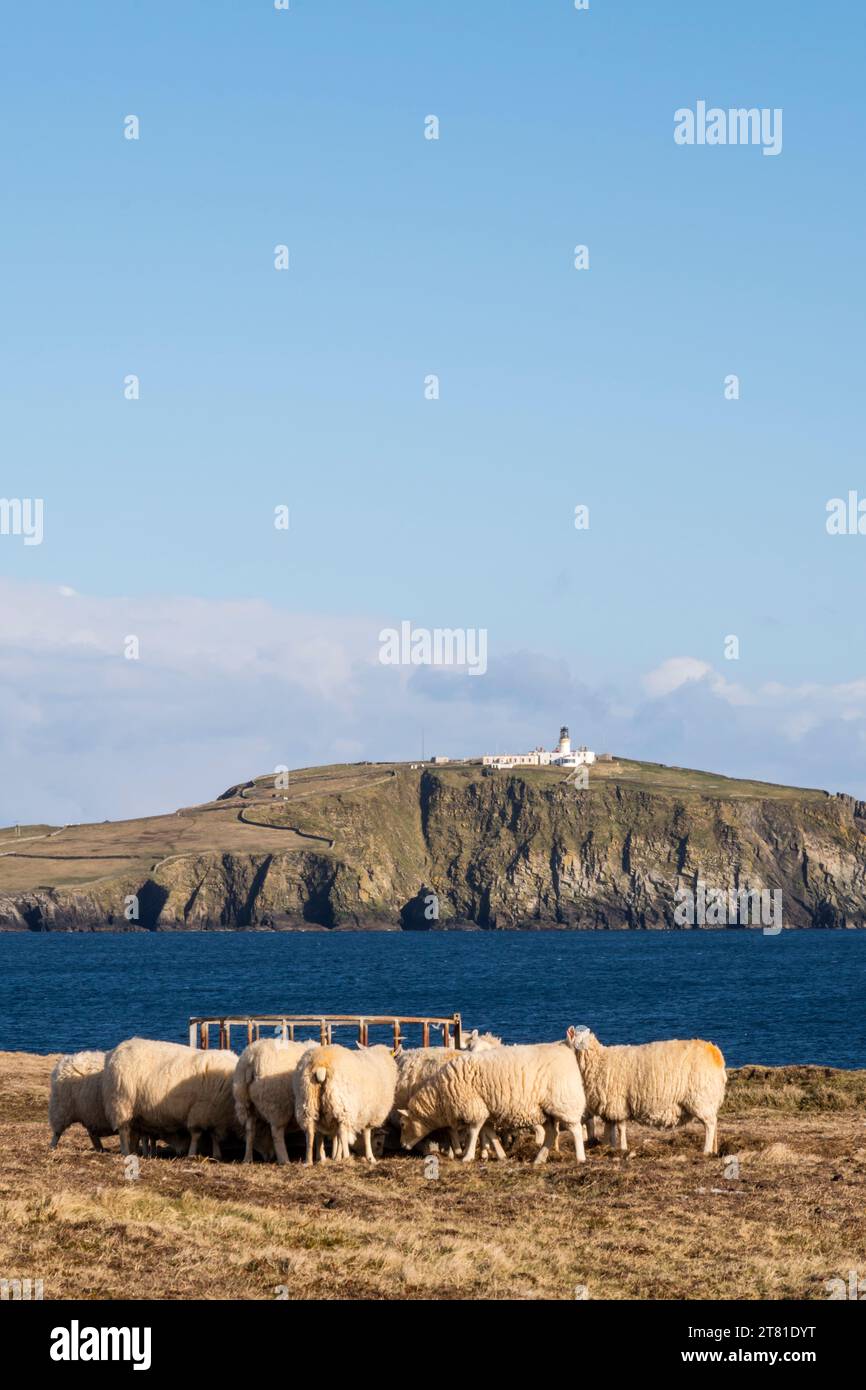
[224, 690]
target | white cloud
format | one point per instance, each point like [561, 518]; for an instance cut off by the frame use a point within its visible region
[226, 690]
[673, 673]
[679, 671]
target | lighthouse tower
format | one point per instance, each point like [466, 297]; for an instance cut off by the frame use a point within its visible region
[564, 746]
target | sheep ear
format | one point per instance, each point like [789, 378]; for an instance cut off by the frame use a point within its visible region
[473, 1036]
[404, 1114]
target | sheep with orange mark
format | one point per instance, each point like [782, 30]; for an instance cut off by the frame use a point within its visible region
[341, 1092]
[662, 1084]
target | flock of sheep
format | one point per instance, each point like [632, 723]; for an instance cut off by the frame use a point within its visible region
[486, 1092]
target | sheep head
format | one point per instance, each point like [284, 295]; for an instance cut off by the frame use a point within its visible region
[412, 1130]
[582, 1039]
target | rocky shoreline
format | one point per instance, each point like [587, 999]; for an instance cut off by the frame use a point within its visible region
[462, 852]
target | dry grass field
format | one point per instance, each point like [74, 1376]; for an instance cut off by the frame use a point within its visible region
[664, 1223]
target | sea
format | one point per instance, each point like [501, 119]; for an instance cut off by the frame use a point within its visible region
[794, 997]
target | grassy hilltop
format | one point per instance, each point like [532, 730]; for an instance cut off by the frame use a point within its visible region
[362, 845]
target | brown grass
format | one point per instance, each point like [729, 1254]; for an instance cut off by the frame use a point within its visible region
[663, 1223]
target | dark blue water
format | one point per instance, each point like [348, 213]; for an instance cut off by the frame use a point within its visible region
[796, 997]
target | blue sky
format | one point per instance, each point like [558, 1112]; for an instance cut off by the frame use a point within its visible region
[558, 387]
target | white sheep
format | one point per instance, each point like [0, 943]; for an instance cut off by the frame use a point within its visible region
[340, 1093]
[480, 1042]
[510, 1088]
[155, 1088]
[263, 1090]
[76, 1097]
[660, 1083]
[416, 1065]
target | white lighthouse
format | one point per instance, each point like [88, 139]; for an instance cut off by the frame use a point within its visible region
[563, 755]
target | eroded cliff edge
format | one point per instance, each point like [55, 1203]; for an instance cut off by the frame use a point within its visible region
[498, 852]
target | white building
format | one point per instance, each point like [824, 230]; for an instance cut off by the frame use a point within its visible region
[563, 755]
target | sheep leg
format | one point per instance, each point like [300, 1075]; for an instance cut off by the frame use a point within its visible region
[472, 1141]
[577, 1135]
[194, 1136]
[125, 1134]
[549, 1137]
[555, 1137]
[344, 1138]
[623, 1143]
[250, 1131]
[311, 1138]
[95, 1141]
[456, 1142]
[488, 1136]
[216, 1151]
[279, 1137]
[710, 1145]
[610, 1133]
[322, 1149]
[368, 1146]
[55, 1138]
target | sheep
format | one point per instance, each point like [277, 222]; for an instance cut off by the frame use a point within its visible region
[660, 1083]
[339, 1092]
[263, 1088]
[160, 1087]
[520, 1087]
[418, 1064]
[76, 1097]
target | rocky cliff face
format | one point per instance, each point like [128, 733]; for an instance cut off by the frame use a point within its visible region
[434, 851]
